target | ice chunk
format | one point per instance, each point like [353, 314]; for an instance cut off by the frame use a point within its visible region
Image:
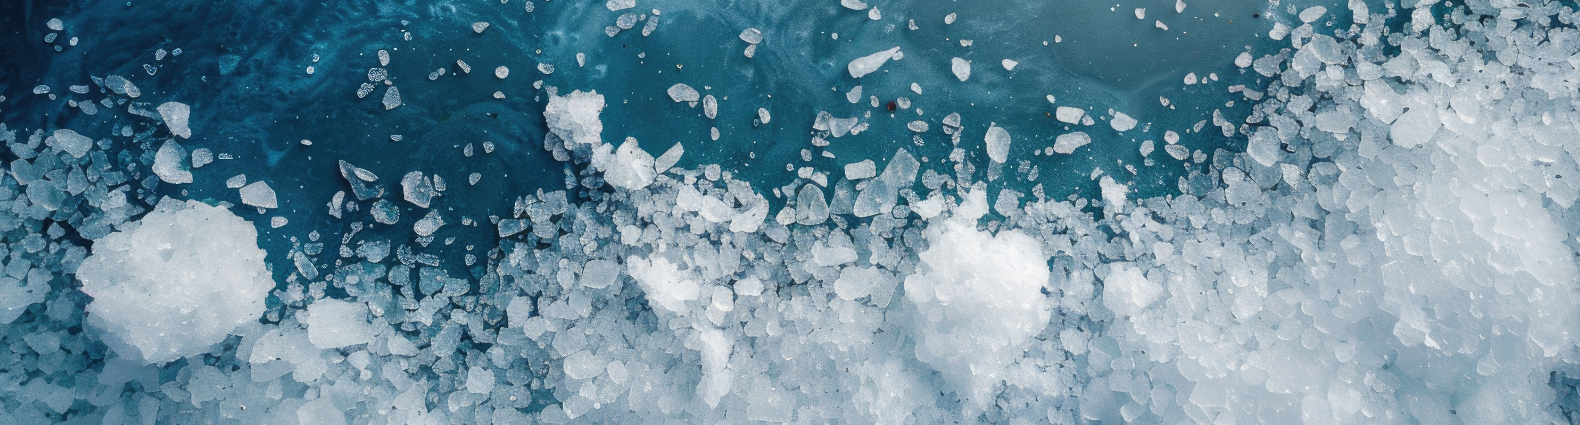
[391, 98]
[599, 274]
[961, 68]
[867, 64]
[979, 302]
[120, 85]
[1141, 13]
[55, 24]
[763, 116]
[70, 142]
[667, 287]
[175, 115]
[428, 224]
[861, 170]
[19, 292]
[1312, 14]
[669, 158]
[1114, 193]
[1415, 127]
[811, 207]
[170, 163]
[630, 167]
[752, 36]
[1263, 146]
[418, 189]
[478, 27]
[385, 212]
[1179, 6]
[683, 93]
[1068, 142]
[879, 196]
[258, 194]
[183, 278]
[501, 72]
[997, 141]
[574, 118]
[479, 380]
[710, 107]
[853, 4]
[918, 126]
[1127, 292]
[201, 157]
[1243, 60]
[1179, 152]
[618, 5]
[1009, 65]
[1122, 122]
[1069, 114]
[236, 182]
[333, 323]
[384, 57]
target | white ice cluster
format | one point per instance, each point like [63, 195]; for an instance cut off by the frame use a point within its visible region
[175, 282]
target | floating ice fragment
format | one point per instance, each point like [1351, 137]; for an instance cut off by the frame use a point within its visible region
[41, 89]
[752, 36]
[365, 90]
[763, 116]
[1179, 152]
[236, 182]
[811, 206]
[175, 115]
[1243, 60]
[1009, 65]
[478, 27]
[710, 107]
[669, 158]
[861, 170]
[391, 98]
[867, 64]
[1141, 13]
[1190, 78]
[618, 5]
[1171, 137]
[70, 142]
[1069, 114]
[1068, 142]
[854, 95]
[201, 157]
[55, 24]
[997, 141]
[683, 93]
[874, 14]
[278, 222]
[853, 4]
[417, 188]
[574, 118]
[949, 19]
[1179, 6]
[1122, 122]
[170, 163]
[385, 212]
[259, 194]
[1312, 14]
[629, 167]
[333, 323]
[961, 68]
[918, 126]
[384, 57]
[120, 85]
[501, 72]
[428, 224]
[1160, 25]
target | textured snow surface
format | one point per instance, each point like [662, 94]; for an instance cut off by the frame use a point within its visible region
[181, 279]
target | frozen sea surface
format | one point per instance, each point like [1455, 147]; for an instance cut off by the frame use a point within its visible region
[629, 211]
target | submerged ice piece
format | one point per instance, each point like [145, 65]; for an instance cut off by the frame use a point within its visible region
[175, 115]
[170, 163]
[867, 64]
[179, 280]
[361, 181]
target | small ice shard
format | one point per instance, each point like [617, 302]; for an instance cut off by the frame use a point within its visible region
[874, 14]
[669, 158]
[391, 98]
[71, 142]
[752, 36]
[259, 194]
[854, 95]
[853, 4]
[478, 27]
[333, 323]
[428, 224]
[683, 93]
[170, 163]
[763, 116]
[1415, 127]
[1009, 65]
[618, 5]
[1160, 25]
[1312, 14]
[175, 115]
[1066, 143]
[574, 118]
[501, 72]
[385, 212]
[710, 107]
[961, 68]
[1179, 6]
[949, 19]
[1122, 122]
[1141, 13]
[811, 207]
[867, 64]
[997, 141]
[629, 167]
[1190, 78]
[1069, 114]
[865, 169]
[418, 189]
